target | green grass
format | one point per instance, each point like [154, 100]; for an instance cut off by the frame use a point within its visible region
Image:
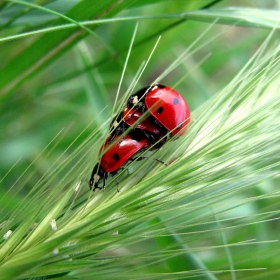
[212, 213]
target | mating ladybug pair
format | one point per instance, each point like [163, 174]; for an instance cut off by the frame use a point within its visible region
[153, 115]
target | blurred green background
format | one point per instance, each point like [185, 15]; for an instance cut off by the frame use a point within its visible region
[74, 91]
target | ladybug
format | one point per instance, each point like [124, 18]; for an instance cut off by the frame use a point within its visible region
[116, 154]
[166, 105]
[133, 117]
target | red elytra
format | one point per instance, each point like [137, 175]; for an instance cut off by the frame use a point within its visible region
[131, 116]
[169, 108]
[120, 151]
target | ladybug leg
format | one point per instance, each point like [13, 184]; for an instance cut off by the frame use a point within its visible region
[103, 186]
[117, 182]
[160, 161]
[156, 159]
[150, 136]
[118, 190]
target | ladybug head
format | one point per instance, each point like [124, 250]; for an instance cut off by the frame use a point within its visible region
[132, 101]
[98, 174]
[138, 99]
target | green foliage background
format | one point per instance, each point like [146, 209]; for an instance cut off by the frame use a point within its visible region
[213, 214]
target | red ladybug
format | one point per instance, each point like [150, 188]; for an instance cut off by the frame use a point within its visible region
[116, 155]
[166, 105]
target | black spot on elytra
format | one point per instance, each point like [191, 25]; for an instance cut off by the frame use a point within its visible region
[160, 110]
[116, 157]
[175, 101]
